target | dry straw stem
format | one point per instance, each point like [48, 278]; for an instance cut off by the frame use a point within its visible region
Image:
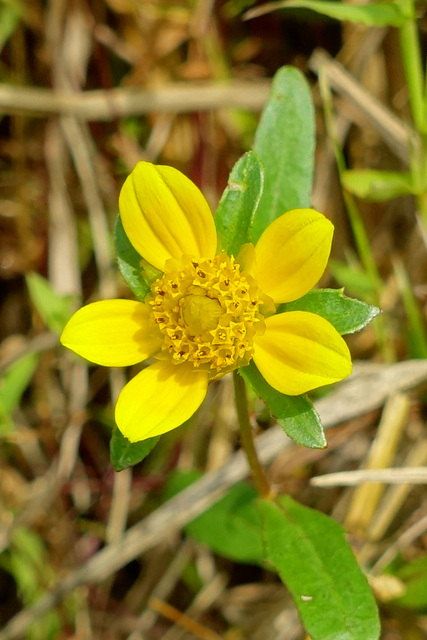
[365, 391]
[395, 497]
[63, 261]
[366, 497]
[64, 276]
[119, 103]
[403, 542]
[398, 475]
[395, 133]
[78, 140]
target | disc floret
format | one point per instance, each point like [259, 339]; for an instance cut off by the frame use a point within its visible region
[208, 312]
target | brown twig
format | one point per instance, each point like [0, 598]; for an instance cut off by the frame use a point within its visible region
[119, 103]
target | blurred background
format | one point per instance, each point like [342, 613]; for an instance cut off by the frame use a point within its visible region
[87, 89]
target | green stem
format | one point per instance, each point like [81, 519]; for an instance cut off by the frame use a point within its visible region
[411, 57]
[363, 245]
[260, 480]
[417, 89]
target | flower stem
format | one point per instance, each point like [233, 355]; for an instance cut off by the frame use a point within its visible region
[260, 480]
[412, 63]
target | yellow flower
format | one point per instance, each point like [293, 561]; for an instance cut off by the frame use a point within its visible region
[208, 313]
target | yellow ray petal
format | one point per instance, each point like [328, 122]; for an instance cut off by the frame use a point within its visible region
[246, 259]
[113, 333]
[292, 254]
[300, 351]
[159, 399]
[165, 215]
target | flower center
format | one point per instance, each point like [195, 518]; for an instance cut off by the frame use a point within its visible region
[208, 312]
[200, 313]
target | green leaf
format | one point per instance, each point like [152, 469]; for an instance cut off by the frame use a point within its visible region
[377, 185]
[10, 16]
[12, 385]
[284, 142]
[130, 263]
[313, 559]
[352, 277]
[54, 309]
[295, 414]
[236, 209]
[379, 14]
[347, 315]
[178, 481]
[414, 577]
[231, 527]
[27, 562]
[126, 454]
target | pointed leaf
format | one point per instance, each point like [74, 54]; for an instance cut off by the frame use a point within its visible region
[314, 560]
[13, 383]
[126, 454]
[377, 185]
[284, 142]
[352, 277]
[54, 309]
[236, 209]
[295, 414]
[347, 315]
